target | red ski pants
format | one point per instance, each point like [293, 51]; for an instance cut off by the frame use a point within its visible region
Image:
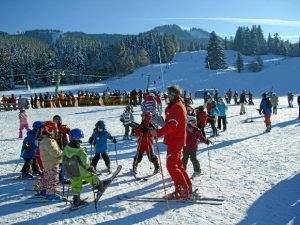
[176, 169]
[267, 119]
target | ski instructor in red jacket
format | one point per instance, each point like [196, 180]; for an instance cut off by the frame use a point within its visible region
[174, 132]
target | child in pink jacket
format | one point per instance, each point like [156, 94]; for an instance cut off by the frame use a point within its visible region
[193, 135]
[23, 117]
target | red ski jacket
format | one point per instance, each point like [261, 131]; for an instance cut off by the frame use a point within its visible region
[192, 136]
[202, 118]
[145, 140]
[175, 125]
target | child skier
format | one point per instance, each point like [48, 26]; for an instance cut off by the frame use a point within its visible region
[213, 117]
[23, 117]
[99, 140]
[145, 143]
[193, 134]
[77, 166]
[126, 118]
[29, 147]
[50, 154]
[201, 119]
[266, 109]
[222, 114]
[63, 131]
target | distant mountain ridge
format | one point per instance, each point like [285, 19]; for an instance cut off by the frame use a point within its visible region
[193, 35]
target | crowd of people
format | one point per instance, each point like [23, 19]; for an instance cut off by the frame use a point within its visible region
[50, 142]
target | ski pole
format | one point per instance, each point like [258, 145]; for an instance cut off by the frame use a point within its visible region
[63, 179]
[16, 167]
[116, 154]
[162, 174]
[209, 163]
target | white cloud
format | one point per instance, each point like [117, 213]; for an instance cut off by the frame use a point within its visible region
[287, 23]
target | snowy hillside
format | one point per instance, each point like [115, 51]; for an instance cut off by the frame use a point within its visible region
[257, 173]
[187, 69]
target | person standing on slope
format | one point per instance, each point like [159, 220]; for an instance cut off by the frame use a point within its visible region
[174, 132]
[266, 109]
[78, 168]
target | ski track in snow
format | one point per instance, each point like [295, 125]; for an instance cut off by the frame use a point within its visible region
[256, 172]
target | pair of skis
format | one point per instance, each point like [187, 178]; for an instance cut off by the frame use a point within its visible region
[195, 199]
[98, 194]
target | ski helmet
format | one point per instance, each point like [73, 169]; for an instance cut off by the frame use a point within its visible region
[191, 119]
[147, 115]
[76, 134]
[37, 124]
[49, 127]
[100, 124]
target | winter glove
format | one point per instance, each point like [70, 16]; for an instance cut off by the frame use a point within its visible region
[26, 147]
[114, 140]
[92, 141]
[208, 142]
[91, 169]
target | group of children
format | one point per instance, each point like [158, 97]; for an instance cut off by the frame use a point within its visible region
[52, 149]
[51, 142]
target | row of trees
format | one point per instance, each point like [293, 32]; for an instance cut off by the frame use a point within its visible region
[247, 42]
[83, 59]
[252, 42]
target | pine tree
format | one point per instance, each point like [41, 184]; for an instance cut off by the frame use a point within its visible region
[215, 58]
[239, 63]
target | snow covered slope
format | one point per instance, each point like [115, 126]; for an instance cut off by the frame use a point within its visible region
[257, 173]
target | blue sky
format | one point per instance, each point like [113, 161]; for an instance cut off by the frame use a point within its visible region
[134, 16]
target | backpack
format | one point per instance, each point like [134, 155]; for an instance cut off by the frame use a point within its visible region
[71, 166]
[269, 103]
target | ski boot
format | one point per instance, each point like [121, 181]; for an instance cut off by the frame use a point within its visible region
[156, 168]
[53, 197]
[196, 174]
[77, 201]
[27, 175]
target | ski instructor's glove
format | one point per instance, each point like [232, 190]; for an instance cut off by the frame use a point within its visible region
[114, 140]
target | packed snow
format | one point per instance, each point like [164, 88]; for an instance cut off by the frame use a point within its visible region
[257, 173]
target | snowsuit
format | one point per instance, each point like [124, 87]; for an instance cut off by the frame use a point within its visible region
[274, 100]
[222, 115]
[50, 155]
[213, 117]
[23, 117]
[201, 121]
[99, 140]
[174, 133]
[126, 118]
[145, 143]
[62, 137]
[29, 147]
[193, 134]
[243, 101]
[266, 111]
[76, 165]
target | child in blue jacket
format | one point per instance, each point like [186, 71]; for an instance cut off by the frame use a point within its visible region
[99, 140]
[29, 147]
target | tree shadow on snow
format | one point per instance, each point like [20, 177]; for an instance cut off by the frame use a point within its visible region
[286, 123]
[279, 205]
